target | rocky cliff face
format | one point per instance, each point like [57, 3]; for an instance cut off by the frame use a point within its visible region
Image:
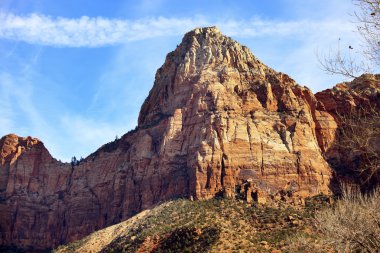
[31, 193]
[355, 107]
[362, 93]
[216, 119]
[231, 118]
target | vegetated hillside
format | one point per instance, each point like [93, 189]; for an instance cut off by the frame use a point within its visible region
[215, 225]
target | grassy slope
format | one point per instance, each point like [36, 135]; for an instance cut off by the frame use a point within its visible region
[216, 225]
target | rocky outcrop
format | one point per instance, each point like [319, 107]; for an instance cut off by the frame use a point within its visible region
[353, 150]
[341, 101]
[362, 91]
[31, 193]
[216, 118]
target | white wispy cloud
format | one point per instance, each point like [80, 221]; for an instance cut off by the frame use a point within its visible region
[87, 31]
[99, 31]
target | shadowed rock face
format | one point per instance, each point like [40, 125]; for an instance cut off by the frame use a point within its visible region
[216, 117]
[342, 103]
[363, 92]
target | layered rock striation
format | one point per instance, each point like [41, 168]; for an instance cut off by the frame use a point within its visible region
[216, 118]
[231, 118]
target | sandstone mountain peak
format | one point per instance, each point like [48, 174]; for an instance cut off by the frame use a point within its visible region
[217, 121]
[204, 58]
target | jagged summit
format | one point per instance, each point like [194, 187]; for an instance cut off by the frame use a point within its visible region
[204, 30]
[11, 146]
[205, 57]
[208, 45]
[212, 31]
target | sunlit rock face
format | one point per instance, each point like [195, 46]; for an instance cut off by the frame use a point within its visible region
[215, 118]
[231, 118]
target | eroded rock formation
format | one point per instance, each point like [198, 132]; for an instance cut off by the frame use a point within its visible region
[215, 118]
[354, 151]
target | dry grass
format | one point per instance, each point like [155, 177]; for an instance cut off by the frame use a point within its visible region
[352, 225]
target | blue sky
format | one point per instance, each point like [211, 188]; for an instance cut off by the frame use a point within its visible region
[74, 73]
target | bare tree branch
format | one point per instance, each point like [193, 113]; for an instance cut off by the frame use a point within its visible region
[346, 63]
[359, 141]
[336, 63]
[368, 18]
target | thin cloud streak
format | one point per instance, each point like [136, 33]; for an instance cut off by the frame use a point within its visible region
[99, 31]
